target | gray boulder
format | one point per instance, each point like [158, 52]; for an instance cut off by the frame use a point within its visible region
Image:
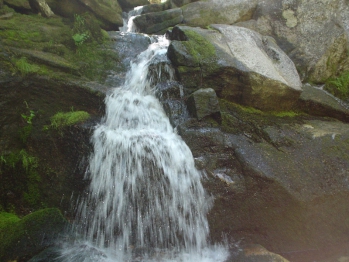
[294, 172]
[239, 64]
[203, 102]
[316, 101]
[203, 13]
[314, 34]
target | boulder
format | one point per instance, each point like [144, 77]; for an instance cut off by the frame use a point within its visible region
[203, 102]
[316, 101]
[67, 8]
[299, 27]
[20, 5]
[239, 64]
[42, 7]
[277, 180]
[204, 13]
[158, 22]
[29, 235]
[107, 11]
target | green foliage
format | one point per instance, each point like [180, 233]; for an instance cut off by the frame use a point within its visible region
[79, 39]
[19, 175]
[27, 129]
[61, 120]
[339, 86]
[24, 67]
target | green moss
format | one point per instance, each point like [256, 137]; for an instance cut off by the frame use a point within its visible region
[20, 237]
[78, 46]
[61, 120]
[339, 86]
[198, 47]
[7, 220]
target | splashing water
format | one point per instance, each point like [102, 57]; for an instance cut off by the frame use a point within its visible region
[145, 201]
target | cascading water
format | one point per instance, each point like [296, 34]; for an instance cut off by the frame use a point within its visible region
[145, 201]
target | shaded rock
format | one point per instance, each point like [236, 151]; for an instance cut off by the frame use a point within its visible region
[294, 171]
[42, 7]
[299, 27]
[129, 4]
[159, 21]
[20, 5]
[156, 7]
[204, 13]
[67, 8]
[107, 11]
[239, 64]
[203, 102]
[256, 253]
[318, 102]
[31, 234]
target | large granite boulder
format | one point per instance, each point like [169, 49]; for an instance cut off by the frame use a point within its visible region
[314, 34]
[203, 13]
[239, 64]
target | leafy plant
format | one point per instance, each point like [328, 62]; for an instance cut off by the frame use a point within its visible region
[27, 129]
[24, 179]
[79, 39]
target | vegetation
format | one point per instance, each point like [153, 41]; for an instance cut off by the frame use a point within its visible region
[198, 46]
[17, 236]
[339, 86]
[61, 120]
[24, 182]
[51, 47]
[237, 118]
[27, 129]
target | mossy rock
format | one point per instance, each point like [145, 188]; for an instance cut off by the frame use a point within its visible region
[29, 235]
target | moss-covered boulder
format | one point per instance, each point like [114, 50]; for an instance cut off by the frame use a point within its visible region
[239, 64]
[23, 238]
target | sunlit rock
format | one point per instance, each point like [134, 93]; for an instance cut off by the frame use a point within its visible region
[240, 64]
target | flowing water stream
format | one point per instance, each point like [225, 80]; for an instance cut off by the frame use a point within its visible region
[145, 201]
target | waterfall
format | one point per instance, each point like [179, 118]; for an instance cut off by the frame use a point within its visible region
[145, 201]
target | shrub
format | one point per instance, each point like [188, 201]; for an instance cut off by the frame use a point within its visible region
[339, 86]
